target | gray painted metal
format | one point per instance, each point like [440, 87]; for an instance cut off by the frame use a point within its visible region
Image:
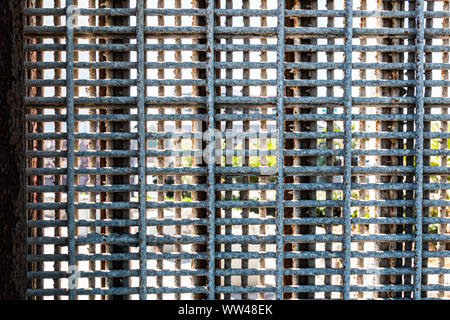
[164, 110]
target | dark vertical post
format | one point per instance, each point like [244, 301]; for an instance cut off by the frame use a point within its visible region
[303, 143]
[389, 160]
[362, 145]
[12, 160]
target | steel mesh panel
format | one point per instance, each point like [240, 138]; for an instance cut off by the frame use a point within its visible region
[237, 149]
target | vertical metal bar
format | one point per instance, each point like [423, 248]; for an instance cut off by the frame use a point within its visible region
[117, 144]
[330, 160]
[244, 195]
[301, 143]
[76, 144]
[399, 211]
[263, 157]
[217, 158]
[387, 143]
[428, 92]
[362, 146]
[142, 160]
[217, 146]
[13, 249]
[35, 162]
[409, 194]
[58, 144]
[211, 148]
[161, 146]
[280, 148]
[93, 127]
[347, 144]
[418, 201]
[102, 127]
[70, 141]
[289, 160]
[178, 143]
[229, 141]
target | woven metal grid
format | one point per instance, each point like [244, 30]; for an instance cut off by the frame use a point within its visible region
[238, 149]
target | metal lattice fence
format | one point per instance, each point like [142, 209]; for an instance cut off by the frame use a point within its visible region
[227, 149]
